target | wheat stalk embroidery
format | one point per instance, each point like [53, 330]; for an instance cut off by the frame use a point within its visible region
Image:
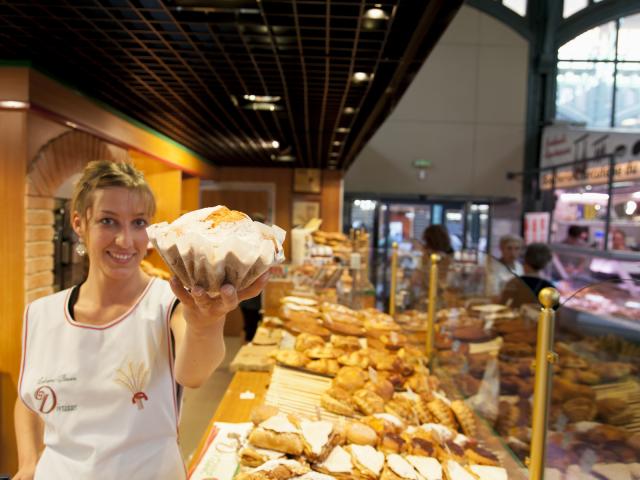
[134, 377]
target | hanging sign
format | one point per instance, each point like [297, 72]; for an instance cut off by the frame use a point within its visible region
[562, 144]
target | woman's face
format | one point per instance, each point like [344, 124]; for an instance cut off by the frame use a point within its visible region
[114, 231]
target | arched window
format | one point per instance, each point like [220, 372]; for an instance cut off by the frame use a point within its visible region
[598, 80]
[518, 6]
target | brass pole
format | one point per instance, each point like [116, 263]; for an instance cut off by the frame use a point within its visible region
[394, 278]
[431, 312]
[545, 357]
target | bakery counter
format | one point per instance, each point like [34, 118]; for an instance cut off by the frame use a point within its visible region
[245, 392]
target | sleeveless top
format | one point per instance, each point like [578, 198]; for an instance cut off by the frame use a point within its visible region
[107, 393]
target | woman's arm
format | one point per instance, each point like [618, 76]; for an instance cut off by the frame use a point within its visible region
[198, 326]
[29, 437]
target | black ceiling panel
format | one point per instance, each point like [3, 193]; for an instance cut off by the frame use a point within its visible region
[183, 67]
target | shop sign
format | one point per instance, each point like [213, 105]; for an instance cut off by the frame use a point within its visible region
[536, 227]
[563, 144]
[596, 175]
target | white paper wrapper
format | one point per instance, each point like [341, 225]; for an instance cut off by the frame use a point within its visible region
[215, 246]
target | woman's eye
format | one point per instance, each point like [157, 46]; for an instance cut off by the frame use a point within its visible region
[106, 221]
[141, 222]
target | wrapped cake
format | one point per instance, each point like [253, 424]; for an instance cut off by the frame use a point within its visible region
[215, 246]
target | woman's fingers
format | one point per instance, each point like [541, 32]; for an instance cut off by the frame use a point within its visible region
[179, 291]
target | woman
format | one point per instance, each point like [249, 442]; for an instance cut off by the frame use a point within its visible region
[97, 392]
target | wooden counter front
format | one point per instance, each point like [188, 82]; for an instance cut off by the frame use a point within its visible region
[232, 409]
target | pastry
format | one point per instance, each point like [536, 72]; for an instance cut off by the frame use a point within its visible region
[368, 402]
[383, 423]
[580, 409]
[516, 350]
[428, 468]
[381, 386]
[361, 434]
[308, 325]
[318, 437]
[367, 460]
[341, 407]
[215, 246]
[485, 472]
[614, 411]
[481, 456]
[251, 456]
[601, 434]
[342, 325]
[634, 442]
[465, 417]
[323, 351]
[403, 408]
[612, 371]
[262, 412]
[337, 464]
[612, 471]
[351, 378]
[443, 413]
[422, 411]
[564, 390]
[291, 358]
[418, 382]
[472, 334]
[450, 450]
[397, 468]
[305, 341]
[354, 359]
[278, 433]
[393, 340]
[588, 377]
[421, 446]
[346, 343]
[523, 336]
[391, 443]
[454, 471]
[278, 469]
[324, 366]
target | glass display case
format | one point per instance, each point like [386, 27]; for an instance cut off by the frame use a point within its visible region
[486, 347]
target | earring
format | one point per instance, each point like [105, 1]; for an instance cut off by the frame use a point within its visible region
[81, 248]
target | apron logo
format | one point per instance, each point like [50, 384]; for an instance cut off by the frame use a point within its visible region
[134, 377]
[48, 399]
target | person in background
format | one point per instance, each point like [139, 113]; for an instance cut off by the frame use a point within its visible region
[507, 266]
[619, 240]
[567, 264]
[251, 308]
[436, 240]
[526, 288]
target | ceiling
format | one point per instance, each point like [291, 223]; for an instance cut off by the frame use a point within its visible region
[184, 67]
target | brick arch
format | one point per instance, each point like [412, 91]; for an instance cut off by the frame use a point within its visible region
[54, 163]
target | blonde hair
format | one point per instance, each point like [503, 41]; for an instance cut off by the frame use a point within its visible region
[104, 174]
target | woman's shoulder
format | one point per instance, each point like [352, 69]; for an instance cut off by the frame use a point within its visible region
[51, 299]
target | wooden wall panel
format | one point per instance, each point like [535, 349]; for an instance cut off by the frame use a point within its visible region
[13, 164]
[331, 201]
[167, 188]
[190, 194]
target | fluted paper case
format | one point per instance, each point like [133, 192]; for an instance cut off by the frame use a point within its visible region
[215, 246]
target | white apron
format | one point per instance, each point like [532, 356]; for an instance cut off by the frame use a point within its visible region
[105, 393]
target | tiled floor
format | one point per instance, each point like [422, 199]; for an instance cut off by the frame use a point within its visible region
[199, 404]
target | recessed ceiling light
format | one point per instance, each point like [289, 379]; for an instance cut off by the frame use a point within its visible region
[271, 107]
[71, 124]
[275, 144]
[376, 14]
[337, 143]
[13, 104]
[332, 167]
[342, 130]
[261, 98]
[349, 110]
[283, 158]
[360, 77]
[335, 154]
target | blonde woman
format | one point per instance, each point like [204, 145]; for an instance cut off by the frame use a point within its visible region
[100, 362]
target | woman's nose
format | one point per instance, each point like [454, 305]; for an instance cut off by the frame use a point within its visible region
[124, 238]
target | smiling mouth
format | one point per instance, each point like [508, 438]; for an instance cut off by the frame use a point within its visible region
[121, 257]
